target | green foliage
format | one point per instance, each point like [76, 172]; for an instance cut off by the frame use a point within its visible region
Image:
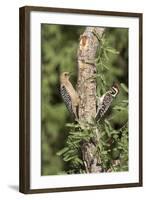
[72, 151]
[113, 141]
[59, 45]
[113, 147]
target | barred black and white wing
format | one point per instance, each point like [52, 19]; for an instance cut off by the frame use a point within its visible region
[67, 100]
[104, 105]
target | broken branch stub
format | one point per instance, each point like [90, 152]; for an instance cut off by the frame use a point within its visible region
[88, 45]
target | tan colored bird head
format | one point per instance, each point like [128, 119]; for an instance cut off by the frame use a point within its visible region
[64, 77]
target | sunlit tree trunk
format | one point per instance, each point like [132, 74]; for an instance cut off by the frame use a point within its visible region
[86, 86]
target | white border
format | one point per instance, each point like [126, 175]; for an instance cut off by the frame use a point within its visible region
[36, 180]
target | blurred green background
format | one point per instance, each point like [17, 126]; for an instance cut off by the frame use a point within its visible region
[59, 45]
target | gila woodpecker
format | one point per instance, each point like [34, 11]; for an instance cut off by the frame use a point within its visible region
[69, 95]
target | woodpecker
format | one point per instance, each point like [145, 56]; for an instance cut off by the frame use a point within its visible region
[69, 95]
[105, 101]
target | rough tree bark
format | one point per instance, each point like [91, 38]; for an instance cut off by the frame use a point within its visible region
[86, 86]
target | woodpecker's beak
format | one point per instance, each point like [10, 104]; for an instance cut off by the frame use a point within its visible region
[69, 74]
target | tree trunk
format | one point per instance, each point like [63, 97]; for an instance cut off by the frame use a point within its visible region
[86, 87]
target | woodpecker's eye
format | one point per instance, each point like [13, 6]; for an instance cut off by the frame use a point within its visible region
[114, 91]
